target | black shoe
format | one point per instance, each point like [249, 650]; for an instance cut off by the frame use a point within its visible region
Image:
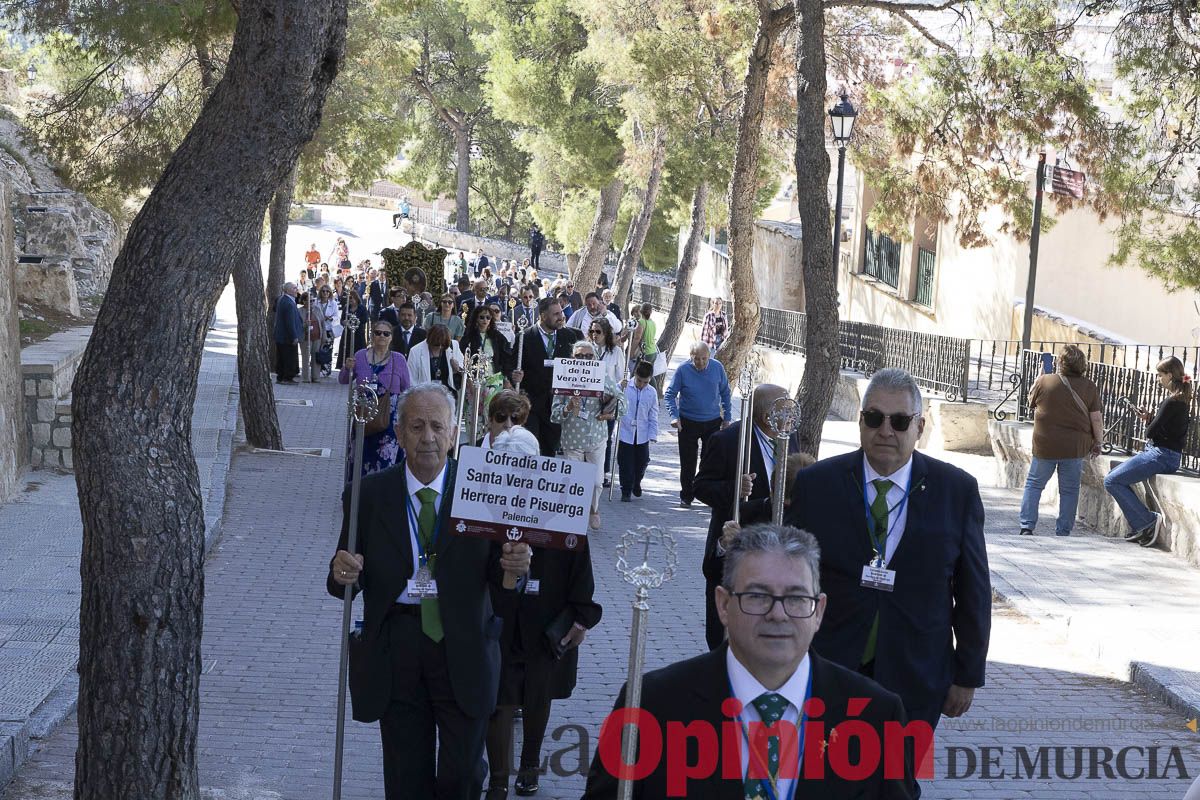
[288, 382]
[685, 503]
[526, 784]
[637, 490]
[1150, 532]
[496, 790]
[1027, 531]
[625, 498]
[607, 482]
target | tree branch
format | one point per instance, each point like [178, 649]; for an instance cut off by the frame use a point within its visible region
[893, 5]
[921, 29]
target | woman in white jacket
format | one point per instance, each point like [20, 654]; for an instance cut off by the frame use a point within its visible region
[437, 358]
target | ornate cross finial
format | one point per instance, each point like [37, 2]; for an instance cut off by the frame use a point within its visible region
[643, 538]
[784, 417]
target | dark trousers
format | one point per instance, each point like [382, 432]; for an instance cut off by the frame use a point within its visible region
[931, 713]
[548, 433]
[692, 434]
[608, 446]
[535, 258]
[714, 631]
[632, 460]
[422, 708]
[287, 361]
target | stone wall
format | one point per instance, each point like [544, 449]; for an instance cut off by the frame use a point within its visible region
[1178, 495]
[777, 265]
[13, 435]
[493, 248]
[48, 369]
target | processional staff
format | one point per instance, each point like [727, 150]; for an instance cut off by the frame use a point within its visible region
[747, 380]
[784, 418]
[522, 324]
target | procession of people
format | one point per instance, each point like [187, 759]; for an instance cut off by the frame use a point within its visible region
[808, 593]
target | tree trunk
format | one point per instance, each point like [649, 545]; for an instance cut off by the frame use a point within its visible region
[281, 206]
[742, 190]
[631, 253]
[142, 563]
[254, 345]
[462, 196]
[812, 192]
[591, 260]
[677, 316]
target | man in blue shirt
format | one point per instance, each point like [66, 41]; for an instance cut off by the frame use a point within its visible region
[699, 404]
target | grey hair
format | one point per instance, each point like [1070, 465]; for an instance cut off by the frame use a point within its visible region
[428, 387]
[584, 343]
[289, 285]
[770, 538]
[894, 379]
[696, 348]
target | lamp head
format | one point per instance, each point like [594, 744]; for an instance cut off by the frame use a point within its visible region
[841, 119]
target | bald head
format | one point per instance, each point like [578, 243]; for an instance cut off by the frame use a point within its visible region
[764, 396]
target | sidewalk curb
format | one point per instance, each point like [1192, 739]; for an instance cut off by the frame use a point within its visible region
[16, 738]
[1164, 684]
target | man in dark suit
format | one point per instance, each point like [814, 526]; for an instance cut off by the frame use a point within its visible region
[770, 600]
[478, 296]
[714, 486]
[902, 558]
[374, 294]
[289, 331]
[406, 333]
[427, 663]
[392, 312]
[544, 342]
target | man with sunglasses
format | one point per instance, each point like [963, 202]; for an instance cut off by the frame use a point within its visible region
[902, 557]
[771, 604]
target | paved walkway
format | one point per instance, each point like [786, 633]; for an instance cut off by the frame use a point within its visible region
[41, 538]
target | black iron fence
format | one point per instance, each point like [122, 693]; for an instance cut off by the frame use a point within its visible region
[1124, 430]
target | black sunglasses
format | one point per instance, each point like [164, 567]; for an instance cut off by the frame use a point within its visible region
[384, 334]
[900, 422]
[514, 418]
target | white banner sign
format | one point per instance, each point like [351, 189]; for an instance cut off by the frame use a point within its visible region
[506, 330]
[510, 497]
[578, 377]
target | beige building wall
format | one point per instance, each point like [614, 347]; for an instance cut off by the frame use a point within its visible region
[979, 292]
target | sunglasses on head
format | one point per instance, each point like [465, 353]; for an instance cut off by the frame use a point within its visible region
[384, 334]
[900, 422]
[515, 419]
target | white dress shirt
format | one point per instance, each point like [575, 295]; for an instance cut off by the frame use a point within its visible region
[746, 689]
[414, 486]
[899, 510]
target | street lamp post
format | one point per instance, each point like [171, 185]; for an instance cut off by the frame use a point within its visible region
[841, 119]
[31, 73]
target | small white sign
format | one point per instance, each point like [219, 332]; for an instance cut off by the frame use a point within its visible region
[578, 377]
[509, 497]
[506, 330]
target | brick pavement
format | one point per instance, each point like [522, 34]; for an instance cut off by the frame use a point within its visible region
[41, 538]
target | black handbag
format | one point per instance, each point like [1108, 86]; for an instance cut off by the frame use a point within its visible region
[558, 628]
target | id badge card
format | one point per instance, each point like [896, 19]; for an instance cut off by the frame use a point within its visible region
[549, 362]
[422, 585]
[533, 586]
[880, 578]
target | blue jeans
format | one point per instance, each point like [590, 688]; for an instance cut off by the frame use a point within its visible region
[1151, 461]
[1040, 470]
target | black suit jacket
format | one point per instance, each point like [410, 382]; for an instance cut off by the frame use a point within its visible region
[538, 377]
[692, 691]
[465, 570]
[417, 336]
[934, 627]
[715, 484]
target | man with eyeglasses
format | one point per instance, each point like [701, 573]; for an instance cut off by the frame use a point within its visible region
[392, 312]
[593, 309]
[902, 557]
[527, 308]
[771, 604]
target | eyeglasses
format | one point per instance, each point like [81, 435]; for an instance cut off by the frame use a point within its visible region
[582, 356]
[515, 419]
[900, 422]
[384, 334]
[595, 330]
[759, 604]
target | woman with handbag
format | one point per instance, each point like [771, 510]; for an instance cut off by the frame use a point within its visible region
[584, 425]
[1067, 427]
[385, 371]
[1166, 435]
[328, 316]
[545, 621]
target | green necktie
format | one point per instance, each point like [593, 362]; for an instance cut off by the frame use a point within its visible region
[770, 707]
[431, 618]
[879, 518]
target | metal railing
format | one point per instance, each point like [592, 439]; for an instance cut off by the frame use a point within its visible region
[926, 259]
[1124, 430]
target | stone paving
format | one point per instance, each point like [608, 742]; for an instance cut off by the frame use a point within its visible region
[41, 538]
